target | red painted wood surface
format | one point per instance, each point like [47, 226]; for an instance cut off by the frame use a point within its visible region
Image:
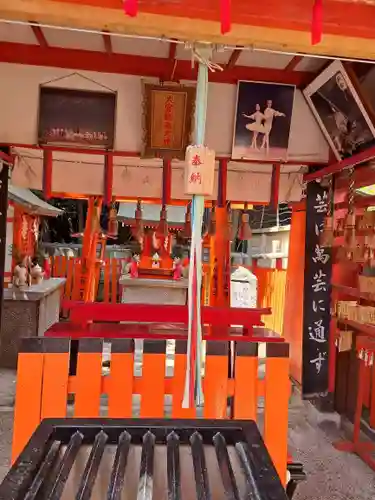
[82, 313]
[362, 157]
[161, 331]
[293, 312]
[47, 173]
[156, 67]
[108, 178]
[349, 18]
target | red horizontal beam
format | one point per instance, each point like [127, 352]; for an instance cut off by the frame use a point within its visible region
[367, 155]
[19, 53]
[132, 154]
[81, 313]
[144, 332]
[354, 19]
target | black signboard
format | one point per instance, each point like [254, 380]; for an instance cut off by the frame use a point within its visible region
[317, 296]
[76, 117]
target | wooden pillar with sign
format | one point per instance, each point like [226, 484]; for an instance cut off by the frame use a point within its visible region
[317, 297]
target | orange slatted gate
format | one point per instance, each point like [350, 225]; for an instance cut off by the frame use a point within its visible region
[114, 279]
[69, 279]
[43, 386]
[271, 293]
[107, 279]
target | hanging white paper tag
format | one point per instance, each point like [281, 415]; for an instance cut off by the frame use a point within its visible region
[199, 171]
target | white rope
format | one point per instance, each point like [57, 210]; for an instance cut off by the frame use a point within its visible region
[203, 55]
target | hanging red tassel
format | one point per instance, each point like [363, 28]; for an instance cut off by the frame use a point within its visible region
[225, 17]
[317, 22]
[112, 222]
[244, 232]
[131, 7]
[212, 221]
[139, 230]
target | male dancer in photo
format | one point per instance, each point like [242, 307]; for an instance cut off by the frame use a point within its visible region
[269, 114]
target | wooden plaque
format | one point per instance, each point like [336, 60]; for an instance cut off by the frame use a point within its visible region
[168, 114]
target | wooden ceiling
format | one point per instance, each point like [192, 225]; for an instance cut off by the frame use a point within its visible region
[167, 60]
[270, 24]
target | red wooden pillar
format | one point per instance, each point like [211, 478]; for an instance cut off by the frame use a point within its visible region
[275, 185]
[47, 173]
[222, 243]
[293, 310]
[167, 181]
[108, 178]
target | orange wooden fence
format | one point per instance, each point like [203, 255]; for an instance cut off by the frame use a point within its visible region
[43, 386]
[271, 293]
[70, 268]
[271, 285]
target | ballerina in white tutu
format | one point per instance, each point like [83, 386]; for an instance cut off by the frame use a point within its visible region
[257, 126]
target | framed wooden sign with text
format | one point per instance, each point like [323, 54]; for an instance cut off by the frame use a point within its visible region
[168, 119]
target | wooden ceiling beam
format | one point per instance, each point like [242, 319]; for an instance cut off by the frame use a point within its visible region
[172, 51]
[314, 75]
[172, 61]
[362, 69]
[39, 35]
[107, 43]
[347, 32]
[234, 58]
[293, 63]
[157, 67]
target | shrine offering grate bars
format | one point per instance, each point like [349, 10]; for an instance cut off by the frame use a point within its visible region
[112, 459]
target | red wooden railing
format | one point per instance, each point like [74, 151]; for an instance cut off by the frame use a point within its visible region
[271, 285]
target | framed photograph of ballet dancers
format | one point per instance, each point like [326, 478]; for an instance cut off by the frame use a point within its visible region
[340, 112]
[76, 117]
[262, 121]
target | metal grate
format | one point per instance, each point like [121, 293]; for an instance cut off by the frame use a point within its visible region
[143, 460]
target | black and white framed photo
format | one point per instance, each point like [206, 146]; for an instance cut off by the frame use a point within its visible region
[262, 121]
[340, 112]
[76, 117]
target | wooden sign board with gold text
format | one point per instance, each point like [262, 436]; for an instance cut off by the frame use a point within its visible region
[168, 119]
